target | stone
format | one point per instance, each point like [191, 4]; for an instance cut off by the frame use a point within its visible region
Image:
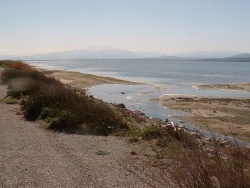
[223, 142]
[133, 153]
[121, 105]
[215, 182]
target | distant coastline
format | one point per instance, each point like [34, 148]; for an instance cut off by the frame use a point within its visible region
[115, 53]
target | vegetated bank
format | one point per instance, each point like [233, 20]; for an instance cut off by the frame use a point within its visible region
[181, 159]
[62, 108]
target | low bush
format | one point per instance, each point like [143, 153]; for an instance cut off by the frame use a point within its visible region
[150, 132]
[63, 109]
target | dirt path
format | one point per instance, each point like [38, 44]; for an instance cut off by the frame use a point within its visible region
[33, 157]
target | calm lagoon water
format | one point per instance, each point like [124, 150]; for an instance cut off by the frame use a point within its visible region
[167, 72]
[162, 77]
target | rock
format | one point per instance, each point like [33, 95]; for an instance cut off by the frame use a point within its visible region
[139, 113]
[181, 126]
[121, 105]
[180, 129]
[215, 182]
[197, 135]
[163, 125]
[245, 172]
[223, 142]
[133, 153]
[169, 127]
[208, 140]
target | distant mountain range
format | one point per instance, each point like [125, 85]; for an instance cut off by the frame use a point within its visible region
[243, 57]
[205, 54]
[210, 56]
[112, 53]
[88, 53]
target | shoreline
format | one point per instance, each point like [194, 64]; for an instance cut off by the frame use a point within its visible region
[218, 111]
[145, 147]
[232, 86]
[81, 80]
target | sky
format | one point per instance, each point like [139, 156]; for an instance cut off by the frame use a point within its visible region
[167, 26]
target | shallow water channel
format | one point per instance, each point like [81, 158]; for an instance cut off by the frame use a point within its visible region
[142, 98]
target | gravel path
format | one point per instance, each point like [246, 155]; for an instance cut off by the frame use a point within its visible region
[33, 157]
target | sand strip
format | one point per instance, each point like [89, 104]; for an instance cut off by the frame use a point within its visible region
[235, 86]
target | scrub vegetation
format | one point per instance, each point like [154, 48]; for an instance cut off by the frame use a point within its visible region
[177, 158]
[62, 108]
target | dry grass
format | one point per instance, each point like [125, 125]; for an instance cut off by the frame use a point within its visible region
[17, 65]
[180, 160]
[196, 167]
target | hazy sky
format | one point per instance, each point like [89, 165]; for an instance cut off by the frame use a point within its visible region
[169, 26]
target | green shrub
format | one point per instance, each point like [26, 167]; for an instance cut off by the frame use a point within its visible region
[133, 140]
[150, 132]
[65, 120]
[33, 106]
[46, 98]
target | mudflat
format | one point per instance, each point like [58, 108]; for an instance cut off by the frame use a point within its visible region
[222, 115]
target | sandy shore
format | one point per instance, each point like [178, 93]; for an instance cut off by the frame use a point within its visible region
[236, 86]
[80, 80]
[218, 113]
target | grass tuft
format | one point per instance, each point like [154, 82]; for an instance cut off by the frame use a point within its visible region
[102, 152]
